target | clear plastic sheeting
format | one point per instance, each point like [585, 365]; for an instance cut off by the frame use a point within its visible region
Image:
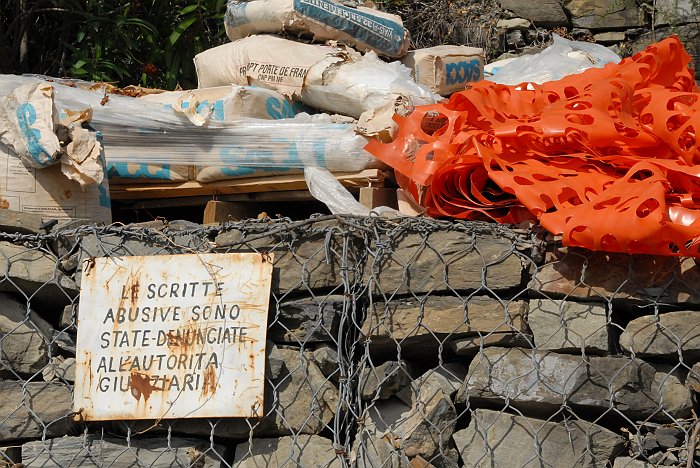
[561, 59]
[135, 130]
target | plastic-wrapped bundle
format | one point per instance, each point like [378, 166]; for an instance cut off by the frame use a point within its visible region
[225, 103]
[321, 20]
[160, 141]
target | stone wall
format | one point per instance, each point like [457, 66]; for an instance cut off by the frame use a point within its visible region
[398, 343]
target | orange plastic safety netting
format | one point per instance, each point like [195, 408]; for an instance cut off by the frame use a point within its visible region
[607, 158]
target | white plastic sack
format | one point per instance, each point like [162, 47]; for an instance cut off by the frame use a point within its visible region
[266, 61]
[561, 59]
[321, 20]
[332, 79]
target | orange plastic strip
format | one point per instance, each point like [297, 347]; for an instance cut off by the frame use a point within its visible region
[608, 158]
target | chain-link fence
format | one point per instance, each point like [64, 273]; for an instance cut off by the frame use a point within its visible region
[390, 343]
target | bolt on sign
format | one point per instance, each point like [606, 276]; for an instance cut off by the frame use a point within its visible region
[172, 336]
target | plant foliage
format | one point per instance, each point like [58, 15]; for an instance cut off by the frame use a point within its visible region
[146, 42]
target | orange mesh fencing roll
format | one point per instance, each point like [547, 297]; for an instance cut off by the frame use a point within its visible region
[607, 158]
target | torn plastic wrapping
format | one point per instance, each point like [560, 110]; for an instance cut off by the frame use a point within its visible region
[135, 131]
[562, 58]
[607, 158]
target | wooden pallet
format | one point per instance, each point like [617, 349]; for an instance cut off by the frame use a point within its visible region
[281, 183]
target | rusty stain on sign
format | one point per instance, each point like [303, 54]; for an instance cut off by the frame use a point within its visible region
[172, 336]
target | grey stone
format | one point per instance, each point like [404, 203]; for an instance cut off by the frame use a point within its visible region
[69, 317]
[638, 279]
[419, 422]
[603, 14]
[546, 13]
[669, 437]
[628, 462]
[447, 377]
[444, 261]
[470, 346]
[64, 341]
[541, 382]
[610, 37]
[10, 456]
[513, 23]
[664, 336]
[692, 380]
[303, 450]
[24, 337]
[299, 266]
[19, 222]
[93, 450]
[384, 380]
[369, 452]
[326, 358]
[130, 244]
[676, 12]
[34, 273]
[419, 329]
[62, 369]
[306, 320]
[566, 326]
[30, 409]
[298, 400]
[501, 439]
[516, 39]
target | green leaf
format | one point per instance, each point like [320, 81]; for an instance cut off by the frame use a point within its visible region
[181, 28]
[79, 64]
[189, 9]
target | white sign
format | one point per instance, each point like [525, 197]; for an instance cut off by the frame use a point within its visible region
[172, 336]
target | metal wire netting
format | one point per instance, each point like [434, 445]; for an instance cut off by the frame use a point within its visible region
[390, 342]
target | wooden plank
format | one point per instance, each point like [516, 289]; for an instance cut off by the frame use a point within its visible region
[221, 211]
[365, 178]
[374, 197]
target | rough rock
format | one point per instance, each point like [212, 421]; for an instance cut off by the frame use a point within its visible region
[676, 12]
[566, 326]
[513, 23]
[93, 450]
[135, 244]
[545, 13]
[326, 358]
[369, 451]
[384, 380]
[303, 450]
[19, 222]
[664, 335]
[28, 409]
[10, 456]
[628, 462]
[419, 329]
[599, 276]
[420, 420]
[610, 37]
[64, 341]
[306, 320]
[603, 14]
[304, 267]
[444, 261]
[470, 346]
[541, 382]
[447, 377]
[60, 369]
[501, 439]
[692, 381]
[298, 399]
[34, 273]
[69, 318]
[24, 338]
